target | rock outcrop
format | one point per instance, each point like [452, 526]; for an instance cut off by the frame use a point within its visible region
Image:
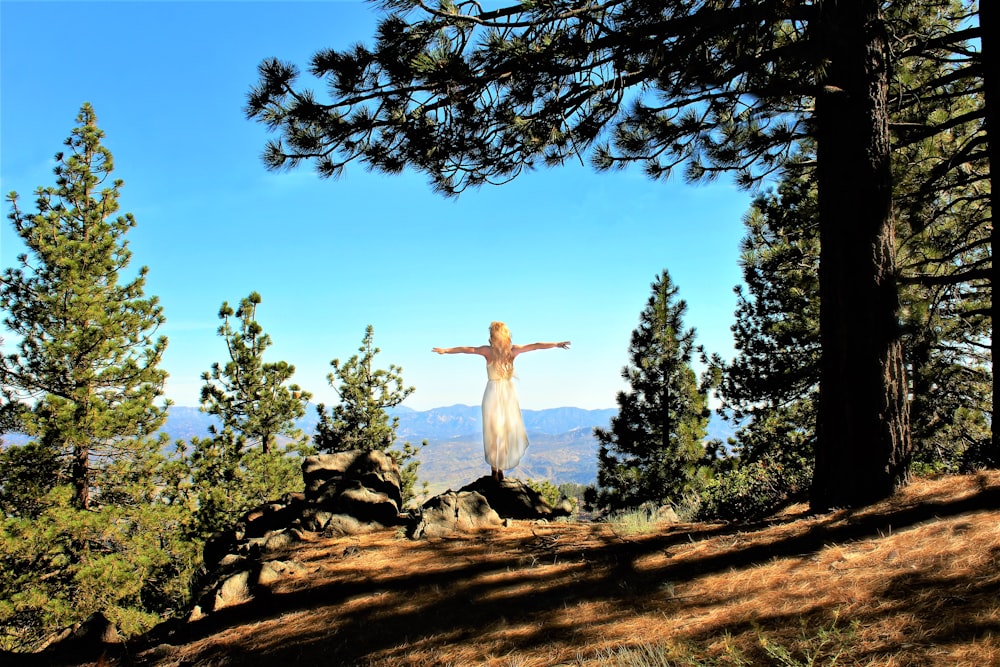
[348, 493]
[345, 494]
[485, 503]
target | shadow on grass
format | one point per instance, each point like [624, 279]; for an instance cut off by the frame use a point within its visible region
[396, 616]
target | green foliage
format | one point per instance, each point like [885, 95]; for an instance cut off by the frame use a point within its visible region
[86, 523]
[61, 565]
[653, 451]
[27, 474]
[405, 455]
[752, 490]
[635, 520]
[472, 95]
[572, 490]
[243, 464]
[10, 413]
[436, 92]
[227, 480]
[771, 385]
[361, 421]
[248, 395]
[552, 494]
[813, 648]
[86, 347]
[944, 209]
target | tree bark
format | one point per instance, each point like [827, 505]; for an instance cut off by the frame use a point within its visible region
[991, 87]
[863, 434]
[81, 476]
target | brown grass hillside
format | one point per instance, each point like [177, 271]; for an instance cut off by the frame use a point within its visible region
[911, 581]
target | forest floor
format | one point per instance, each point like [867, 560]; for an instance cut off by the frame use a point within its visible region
[914, 580]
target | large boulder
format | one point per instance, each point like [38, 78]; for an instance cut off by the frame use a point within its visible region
[485, 503]
[451, 512]
[373, 470]
[271, 516]
[353, 498]
[513, 499]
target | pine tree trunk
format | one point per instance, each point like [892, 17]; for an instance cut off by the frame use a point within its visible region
[81, 476]
[991, 94]
[863, 431]
[81, 463]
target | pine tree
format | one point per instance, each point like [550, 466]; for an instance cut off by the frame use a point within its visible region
[941, 172]
[771, 385]
[243, 464]
[943, 246]
[653, 449]
[85, 526]
[87, 350]
[361, 421]
[247, 394]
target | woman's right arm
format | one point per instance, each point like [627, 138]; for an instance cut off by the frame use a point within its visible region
[482, 349]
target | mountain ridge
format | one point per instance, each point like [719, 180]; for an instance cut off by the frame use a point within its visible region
[562, 447]
[446, 422]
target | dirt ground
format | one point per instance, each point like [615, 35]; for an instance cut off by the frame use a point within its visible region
[911, 581]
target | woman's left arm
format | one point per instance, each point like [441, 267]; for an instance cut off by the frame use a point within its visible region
[518, 349]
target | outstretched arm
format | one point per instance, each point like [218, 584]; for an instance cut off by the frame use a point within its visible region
[482, 349]
[518, 349]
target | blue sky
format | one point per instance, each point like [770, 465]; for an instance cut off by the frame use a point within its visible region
[558, 254]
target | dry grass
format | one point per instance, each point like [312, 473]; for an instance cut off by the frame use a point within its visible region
[912, 581]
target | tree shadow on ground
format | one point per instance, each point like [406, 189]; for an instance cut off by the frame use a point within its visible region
[467, 592]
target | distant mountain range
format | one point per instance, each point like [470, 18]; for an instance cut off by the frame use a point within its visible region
[454, 421]
[563, 447]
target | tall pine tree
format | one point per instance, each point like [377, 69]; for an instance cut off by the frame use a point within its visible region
[87, 350]
[940, 178]
[653, 448]
[771, 386]
[85, 525]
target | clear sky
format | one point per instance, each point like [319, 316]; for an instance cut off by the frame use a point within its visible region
[558, 254]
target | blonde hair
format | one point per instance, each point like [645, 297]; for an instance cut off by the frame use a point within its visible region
[503, 359]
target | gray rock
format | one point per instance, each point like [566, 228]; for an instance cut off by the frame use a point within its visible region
[374, 470]
[345, 524]
[276, 570]
[233, 591]
[315, 519]
[278, 540]
[513, 499]
[347, 493]
[451, 512]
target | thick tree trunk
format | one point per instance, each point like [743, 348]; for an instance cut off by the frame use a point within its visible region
[863, 446]
[988, 24]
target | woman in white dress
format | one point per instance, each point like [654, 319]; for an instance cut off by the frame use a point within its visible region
[504, 437]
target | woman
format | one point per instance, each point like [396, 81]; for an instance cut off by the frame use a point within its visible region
[504, 437]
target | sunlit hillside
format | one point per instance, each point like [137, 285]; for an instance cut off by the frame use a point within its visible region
[911, 581]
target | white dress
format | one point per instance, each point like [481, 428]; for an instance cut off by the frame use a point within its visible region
[504, 437]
